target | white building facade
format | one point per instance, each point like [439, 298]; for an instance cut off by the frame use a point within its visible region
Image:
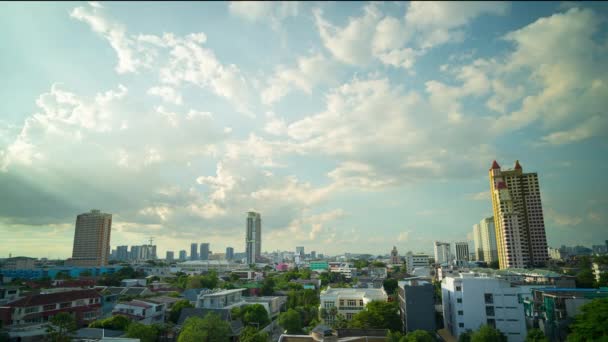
[414, 261]
[347, 302]
[443, 253]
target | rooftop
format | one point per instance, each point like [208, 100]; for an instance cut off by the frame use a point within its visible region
[367, 292]
[51, 298]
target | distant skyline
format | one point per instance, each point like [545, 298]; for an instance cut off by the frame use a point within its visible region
[348, 126]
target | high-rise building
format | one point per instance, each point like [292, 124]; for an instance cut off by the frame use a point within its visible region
[442, 253]
[253, 238]
[478, 252]
[313, 255]
[135, 253]
[204, 255]
[92, 239]
[169, 256]
[395, 260]
[193, 251]
[229, 253]
[518, 217]
[413, 261]
[182, 255]
[488, 239]
[122, 253]
[300, 251]
[462, 251]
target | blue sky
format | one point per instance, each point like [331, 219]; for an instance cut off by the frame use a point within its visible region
[349, 126]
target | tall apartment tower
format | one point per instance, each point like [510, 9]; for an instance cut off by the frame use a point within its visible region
[478, 252]
[182, 255]
[442, 252]
[92, 239]
[169, 256]
[229, 253]
[204, 255]
[253, 239]
[518, 217]
[462, 251]
[193, 251]
[488, 239]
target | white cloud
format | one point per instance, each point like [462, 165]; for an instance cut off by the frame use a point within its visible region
[265, 11]
[168, 94]
[404, 236]
[479, 196]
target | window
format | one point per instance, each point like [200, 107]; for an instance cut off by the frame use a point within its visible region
[360, 302]
[458, 300]
[461, 325]
[89, 315]
[460, 313]
[491, 322]
[80, 302]
[31, 309]
[49, 307]
[489, 311]
[458, 288]
[330, 304]
[341, 302]
[489, 298]
[352, 302]
[65, 305]
[349, 315]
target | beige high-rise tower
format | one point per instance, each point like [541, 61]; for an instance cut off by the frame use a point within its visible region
[518, 218]
[92, 239]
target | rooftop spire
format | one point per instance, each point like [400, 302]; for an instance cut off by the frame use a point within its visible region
[495, 165]
[517, 166]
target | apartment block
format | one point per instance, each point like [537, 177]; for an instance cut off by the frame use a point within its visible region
[92, 239]
[417, 305]
[443, 254]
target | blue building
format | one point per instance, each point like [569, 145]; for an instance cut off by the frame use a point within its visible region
[72, 271]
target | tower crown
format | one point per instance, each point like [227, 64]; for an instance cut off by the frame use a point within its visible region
[495, 165]
[517, 166]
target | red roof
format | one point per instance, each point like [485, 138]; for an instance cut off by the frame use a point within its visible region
[495, 165]
[517, 166]
[501, 185]
[52, 298]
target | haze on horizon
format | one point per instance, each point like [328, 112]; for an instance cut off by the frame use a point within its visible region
[348, 126]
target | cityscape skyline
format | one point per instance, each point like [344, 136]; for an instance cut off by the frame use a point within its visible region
[340, 143]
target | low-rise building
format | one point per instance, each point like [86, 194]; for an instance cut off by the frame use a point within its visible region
[142, 311]
[220, 299]
[347, 302]
[85, 305]
[414, 261]
[9, 294]
[553, 309]
[272, 304]
[324, 333]
[133, 282]
[471, 300]
[319, 266]
[417, 304]
[202, 266]
[19, 263]
[598, 269]
[377, 272]
[343, 268]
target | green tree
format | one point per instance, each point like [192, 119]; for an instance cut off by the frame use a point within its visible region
[394, 336]
[390, 285]
[340, 322]
[465, 336]
[488, 334]
[117, 322]
[585, 279]
[603, 280]
[61, 327]
[494, 264]
[210, 280]
[590, 324]
[251, 334]
[378, 315]
[145, 333]
[291, 321]
[419, 336]
[378, 264]
[256, 314]
[194, 282]
[268, 286]
[209, 329]
[176, 309]
[536, 335]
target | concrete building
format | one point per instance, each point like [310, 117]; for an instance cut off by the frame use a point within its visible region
[229, 253]
[141, 311]
[598, 269]
[253, 237]
[319, 266]
[300, 251]
[552, 310]
[518, 217]
[417, 305]
[462, 251]
[346, 302]
[443, 254]
[92, 239]
[414, 261]
[19, 263]
[471, 300]
[220, 299]
[183, 255]
[193, 251]
[478, 251]
[344, 268]
[200, 266]
[204, 254]
[488, 239]
[554, 253]
[395, 259]
[122, 253]
[169, 256]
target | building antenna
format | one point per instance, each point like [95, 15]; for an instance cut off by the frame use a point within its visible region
[151, 240]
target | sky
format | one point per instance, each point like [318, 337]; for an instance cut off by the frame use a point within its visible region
[350, 126]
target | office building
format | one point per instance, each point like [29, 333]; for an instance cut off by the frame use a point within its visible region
[169, 256]
[478, 252]
[313, 255]
[414, 261]
[193, 251]
[300, 251]
[488, 239]
[443, 253]
[229, 253]
[518, 217]
[417, 305]
[347, 302]
[92, 239]
[122, 253]
[204, 255]
[462, 251]
[471, 300]
[253, 238]
[182, 255]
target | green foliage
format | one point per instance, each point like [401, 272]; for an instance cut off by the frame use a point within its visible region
[234, 277]
[340, 322]
[603, 280]
[585, 279]
[61, 327]
[145, 333]
[251, 334]
[291, 321]
[117, 322]
[209, 329]
[390, 285]
[268, 286]
[255, 314]
[488, 334]
[536, 335]
[590, 324]
[308, 314]
[306, 297]
[437, 288]
[176, 309]
[378, 315]
[208, 281]
[115, 278]
[419, 336]
[378, 264]
[359, 264]
[494, 264]
[394, 336]
[465, 336]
